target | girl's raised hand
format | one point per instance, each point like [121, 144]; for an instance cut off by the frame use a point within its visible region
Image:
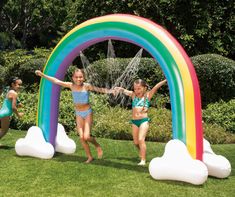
[38, 73]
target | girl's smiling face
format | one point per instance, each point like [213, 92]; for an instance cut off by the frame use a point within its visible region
[17, 84]
[139, 90]
[78, 78]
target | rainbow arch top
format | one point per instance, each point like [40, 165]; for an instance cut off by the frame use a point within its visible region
[173, 60]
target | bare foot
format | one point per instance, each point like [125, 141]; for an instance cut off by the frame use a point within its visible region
[99, 152]
[89, 160]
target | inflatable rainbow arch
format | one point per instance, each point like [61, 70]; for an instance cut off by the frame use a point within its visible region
[176, 65]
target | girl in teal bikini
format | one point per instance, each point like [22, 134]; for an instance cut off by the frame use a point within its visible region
[140, 121]
[83, 111]
[10, 105]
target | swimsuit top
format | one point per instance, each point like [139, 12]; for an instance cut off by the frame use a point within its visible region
[7, 107]
[140, 102]
[80, 97]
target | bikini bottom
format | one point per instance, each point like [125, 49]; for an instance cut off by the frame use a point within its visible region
[138, 122]
[83, 114]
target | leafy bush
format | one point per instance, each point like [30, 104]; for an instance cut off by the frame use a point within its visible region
[23, 64]
[221, 113]
[29, 109]
[66, 111]
[30, 101]
[216, 75]
[148, 69]
[115, 123]
[2, 60]
[112, 122]
[8, 41]
[216, 134]
[160, 125]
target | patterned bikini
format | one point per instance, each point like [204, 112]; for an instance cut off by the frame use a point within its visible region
[81, 97]
[140, 102]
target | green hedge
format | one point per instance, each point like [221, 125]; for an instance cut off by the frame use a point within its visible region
[114, 122]
[23, 64]
[216, 134]
[106, 72]
[216, 75]
[221, 113]
[29, 101]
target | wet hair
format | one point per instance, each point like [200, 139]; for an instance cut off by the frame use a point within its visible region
[141, 82]
[13, 80]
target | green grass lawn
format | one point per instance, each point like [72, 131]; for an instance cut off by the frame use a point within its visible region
[115, 175]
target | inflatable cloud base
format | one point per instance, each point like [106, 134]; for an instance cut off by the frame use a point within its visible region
[34, 144]
[177, 164]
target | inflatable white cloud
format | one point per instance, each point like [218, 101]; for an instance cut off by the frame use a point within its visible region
[218, 166]
[63, 143]
[34, 145]
[177, 164]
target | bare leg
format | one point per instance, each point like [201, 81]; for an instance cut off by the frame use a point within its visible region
[80, 127]
[142, 134]
[5, 123]
[89, 138]
[135, 134]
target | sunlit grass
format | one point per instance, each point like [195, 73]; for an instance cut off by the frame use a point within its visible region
[117, 174]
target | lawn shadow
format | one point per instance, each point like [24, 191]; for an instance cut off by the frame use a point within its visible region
[120, 165]
[66, 158]
[5, 147]
[107, 162]
[132, 159]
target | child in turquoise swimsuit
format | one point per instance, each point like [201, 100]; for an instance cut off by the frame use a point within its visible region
[10, 105]
[140, 121]
[83, 111]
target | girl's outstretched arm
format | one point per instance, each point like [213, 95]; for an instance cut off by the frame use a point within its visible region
[155, 88]
[124, 91]
[53, 79]
[100, 90]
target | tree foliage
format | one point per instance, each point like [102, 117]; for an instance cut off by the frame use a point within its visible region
[33, 22]
[201, 26]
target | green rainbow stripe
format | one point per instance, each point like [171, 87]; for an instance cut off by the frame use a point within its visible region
[176, 65]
